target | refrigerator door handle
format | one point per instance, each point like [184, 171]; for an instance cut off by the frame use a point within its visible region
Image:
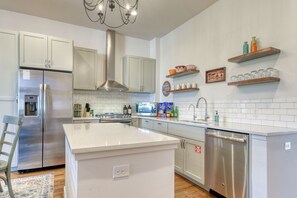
[40, 105]
[44, 104]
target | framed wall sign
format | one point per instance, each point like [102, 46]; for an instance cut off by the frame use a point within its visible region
[215, 75]
[165, 88]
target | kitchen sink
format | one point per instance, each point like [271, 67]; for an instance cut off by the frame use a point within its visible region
[196, 121]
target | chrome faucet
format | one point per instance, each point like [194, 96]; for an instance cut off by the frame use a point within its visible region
[194, 115]
[206, 116]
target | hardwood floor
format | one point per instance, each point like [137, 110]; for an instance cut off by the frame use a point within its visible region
[183, 187]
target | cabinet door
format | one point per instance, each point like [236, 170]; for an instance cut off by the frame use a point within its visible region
[194, 160]
[147, 124]
[132, 75]
[135, 122]
[84, 65]
[33, 50]
[179, 155]
[148, 75]
[60, 54]
[8, 77]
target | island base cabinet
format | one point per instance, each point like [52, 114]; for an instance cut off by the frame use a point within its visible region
[189, 159]
[151, 173]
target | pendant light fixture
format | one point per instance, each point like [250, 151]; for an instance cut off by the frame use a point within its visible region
[100, 11]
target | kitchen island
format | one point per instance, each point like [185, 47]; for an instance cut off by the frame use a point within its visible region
[116, 160]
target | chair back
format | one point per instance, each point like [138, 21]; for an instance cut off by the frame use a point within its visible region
[10, 136]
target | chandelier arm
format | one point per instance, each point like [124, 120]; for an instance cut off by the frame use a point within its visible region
[91, 7]
[124, 19]
[90, 17]
[124, 7]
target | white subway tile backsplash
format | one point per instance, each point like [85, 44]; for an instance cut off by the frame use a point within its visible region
[280, 111]
[287, 105]
[287, 118]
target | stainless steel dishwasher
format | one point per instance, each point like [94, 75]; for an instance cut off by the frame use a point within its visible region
[226, 163]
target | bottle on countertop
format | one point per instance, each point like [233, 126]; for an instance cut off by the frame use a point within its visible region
[253, 44]
[129, 110]
[125, 110]
[216, 117]
[176, 112]
[245, 48]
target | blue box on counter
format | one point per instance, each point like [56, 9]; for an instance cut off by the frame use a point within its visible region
[164, 107]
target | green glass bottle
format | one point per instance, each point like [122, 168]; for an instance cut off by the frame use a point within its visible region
[245, 48]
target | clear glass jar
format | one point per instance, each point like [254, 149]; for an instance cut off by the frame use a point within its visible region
[248, 76]
[261, 73]
[255, 74]
[240, 77]
[275, 73]
[268, 72]
[234, 78]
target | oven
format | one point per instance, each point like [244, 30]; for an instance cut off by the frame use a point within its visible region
[114, 118]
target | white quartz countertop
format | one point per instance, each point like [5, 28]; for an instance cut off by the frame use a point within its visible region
[95, 137]
[234, 127]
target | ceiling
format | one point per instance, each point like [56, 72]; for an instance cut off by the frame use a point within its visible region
[156, 18]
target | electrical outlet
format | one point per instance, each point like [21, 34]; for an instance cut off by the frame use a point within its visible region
[121, 171]
[287, 145]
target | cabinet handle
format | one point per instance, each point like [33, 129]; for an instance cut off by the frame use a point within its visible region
[184, 144]
[159, 123]
[49, 64]
[45, 63]
[146, 121]
[181, 143]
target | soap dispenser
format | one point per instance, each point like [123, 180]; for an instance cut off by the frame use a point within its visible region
[217, 117]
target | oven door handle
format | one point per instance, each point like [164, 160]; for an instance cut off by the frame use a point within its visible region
[213, 134]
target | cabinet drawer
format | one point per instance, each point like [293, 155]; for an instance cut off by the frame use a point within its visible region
[160, 126]
[191, 132]
[146, 124]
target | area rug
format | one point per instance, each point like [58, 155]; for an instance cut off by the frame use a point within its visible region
[31, 187]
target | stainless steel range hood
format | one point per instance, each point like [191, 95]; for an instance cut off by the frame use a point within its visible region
[110, 84]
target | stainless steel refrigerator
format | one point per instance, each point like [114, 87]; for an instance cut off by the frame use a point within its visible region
[44, 104]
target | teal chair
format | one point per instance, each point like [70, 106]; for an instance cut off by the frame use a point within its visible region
[10, 122]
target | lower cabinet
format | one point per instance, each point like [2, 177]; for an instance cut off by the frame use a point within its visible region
[189, 155]
[135, 122]
[189, 158]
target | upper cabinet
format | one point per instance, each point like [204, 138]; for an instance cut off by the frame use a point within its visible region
[84, 68]
[42, 51]
[139, 74]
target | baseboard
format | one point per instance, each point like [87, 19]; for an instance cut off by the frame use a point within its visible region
[65, 194]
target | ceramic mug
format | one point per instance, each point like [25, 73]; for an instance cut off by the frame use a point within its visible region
[194, 85]
[177, 87]
[189, 85]
[183, 86]
[172, 87]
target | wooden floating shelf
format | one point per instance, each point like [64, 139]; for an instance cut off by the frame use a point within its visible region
[255, 81]
[258, 54]
[188, 72]
[183, 90]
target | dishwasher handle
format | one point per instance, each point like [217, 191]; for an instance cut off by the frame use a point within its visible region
[214, 134]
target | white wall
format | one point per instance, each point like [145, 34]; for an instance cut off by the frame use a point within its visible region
[210, 38]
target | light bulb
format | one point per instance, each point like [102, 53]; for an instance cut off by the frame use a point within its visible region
[100, 7]
[128, 7]
[134, 13]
